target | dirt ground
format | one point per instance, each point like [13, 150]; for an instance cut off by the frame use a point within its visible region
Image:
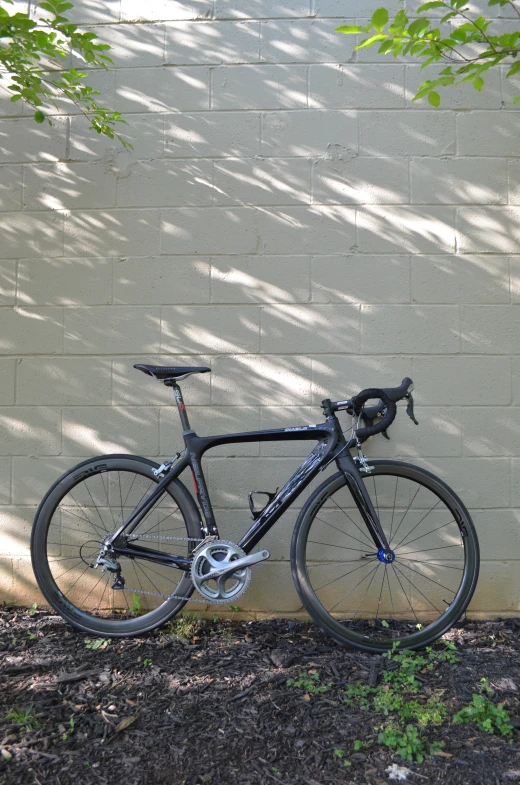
[207, 703]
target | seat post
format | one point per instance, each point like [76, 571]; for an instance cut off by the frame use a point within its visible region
[180, 405]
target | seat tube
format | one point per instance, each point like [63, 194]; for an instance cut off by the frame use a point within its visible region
[181, 407]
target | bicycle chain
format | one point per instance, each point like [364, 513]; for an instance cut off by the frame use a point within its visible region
[159, 537]
[155, 593]
[166, 596]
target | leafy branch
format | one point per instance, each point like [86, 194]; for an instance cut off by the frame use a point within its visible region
[24, 43]
[460, 40]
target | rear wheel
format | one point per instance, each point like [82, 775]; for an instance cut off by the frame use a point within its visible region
[370, 604]
[82, 507]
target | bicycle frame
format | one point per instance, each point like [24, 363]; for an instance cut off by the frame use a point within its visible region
[332, 446]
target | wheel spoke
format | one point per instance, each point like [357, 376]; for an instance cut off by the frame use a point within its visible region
[403, 590]
[439, 610]
[427, 533]
[76, 582]
[345, 575]
[367, 543]
[402, 542]
[406, 512]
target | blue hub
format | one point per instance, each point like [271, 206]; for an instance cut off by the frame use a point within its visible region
[387, 557]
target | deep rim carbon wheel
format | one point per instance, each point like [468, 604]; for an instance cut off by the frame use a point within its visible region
[81, 508]
[354, 593]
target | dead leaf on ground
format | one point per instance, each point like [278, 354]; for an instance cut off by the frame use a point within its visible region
[124, 724]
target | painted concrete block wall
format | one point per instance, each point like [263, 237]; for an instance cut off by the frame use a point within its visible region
[286, 217]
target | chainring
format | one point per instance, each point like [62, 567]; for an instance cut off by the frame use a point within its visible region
[216, 555]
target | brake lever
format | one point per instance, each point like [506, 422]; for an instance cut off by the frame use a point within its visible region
[409, 408]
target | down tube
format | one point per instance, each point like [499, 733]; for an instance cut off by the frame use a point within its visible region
[283, 499]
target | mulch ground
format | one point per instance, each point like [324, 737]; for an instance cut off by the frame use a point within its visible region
[214, 707]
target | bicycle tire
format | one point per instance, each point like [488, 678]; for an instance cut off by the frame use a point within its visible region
[381, 624]
[61, 512]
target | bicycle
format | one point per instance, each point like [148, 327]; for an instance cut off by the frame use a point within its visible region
[350, 552]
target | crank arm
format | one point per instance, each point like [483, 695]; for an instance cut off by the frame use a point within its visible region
[236, 565]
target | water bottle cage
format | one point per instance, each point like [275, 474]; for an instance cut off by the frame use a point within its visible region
[254, 512]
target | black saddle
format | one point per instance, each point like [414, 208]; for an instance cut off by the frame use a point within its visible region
[164, 372]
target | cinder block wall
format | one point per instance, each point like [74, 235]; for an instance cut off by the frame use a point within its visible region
[290, 219]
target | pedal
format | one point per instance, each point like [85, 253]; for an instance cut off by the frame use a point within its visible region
[254, 512]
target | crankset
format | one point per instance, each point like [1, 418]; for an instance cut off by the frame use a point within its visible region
[221, 570]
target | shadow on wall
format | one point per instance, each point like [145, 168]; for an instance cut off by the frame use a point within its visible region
[301, 237]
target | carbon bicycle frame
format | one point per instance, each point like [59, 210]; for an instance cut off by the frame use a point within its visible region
[332, 446]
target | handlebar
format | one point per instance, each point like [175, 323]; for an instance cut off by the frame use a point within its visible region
[388, 397]
[389, 408]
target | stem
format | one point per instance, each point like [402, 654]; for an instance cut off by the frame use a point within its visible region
[83, 112]
[511, 3]
[482, 33]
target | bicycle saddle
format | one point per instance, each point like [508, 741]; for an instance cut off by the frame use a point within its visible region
[167, 372]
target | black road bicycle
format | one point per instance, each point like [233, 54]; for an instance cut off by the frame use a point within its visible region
[382, 552]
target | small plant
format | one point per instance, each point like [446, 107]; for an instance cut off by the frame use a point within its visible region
[358, 745]
[147, 662]
[448, 654]
[65, 735]
[185, 626]
[341, 756]
[136, 607]
[97, 643]
[358, 695]
[310, 683]
[486, 715]
[407, 743]
[31, 635]
[34, 608]
[24, 717]
[234, 608]
[485, 687]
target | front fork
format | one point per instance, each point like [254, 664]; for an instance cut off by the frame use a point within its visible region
[347, 466]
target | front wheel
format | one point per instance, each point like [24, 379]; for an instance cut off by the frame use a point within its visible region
[360, 599]
[85, 505]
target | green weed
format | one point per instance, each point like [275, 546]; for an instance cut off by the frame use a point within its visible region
[34, 608]
[486, 715]
[147, 662]
[136, 608]
[408, 743]
[97, 643]
[65, 735]
[341, 756]
[24, 717]
[309, 683]
[185, 626]
[359, 695]
[400, 696]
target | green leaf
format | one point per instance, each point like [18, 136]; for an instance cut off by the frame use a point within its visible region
[385, 47]
[372, 40]
[434, 99]
[39, 116]
[349, 29]
[399, 23]
[516, 99]
[418, 28]
[429, 6]
[379, 19]
[478, 83]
